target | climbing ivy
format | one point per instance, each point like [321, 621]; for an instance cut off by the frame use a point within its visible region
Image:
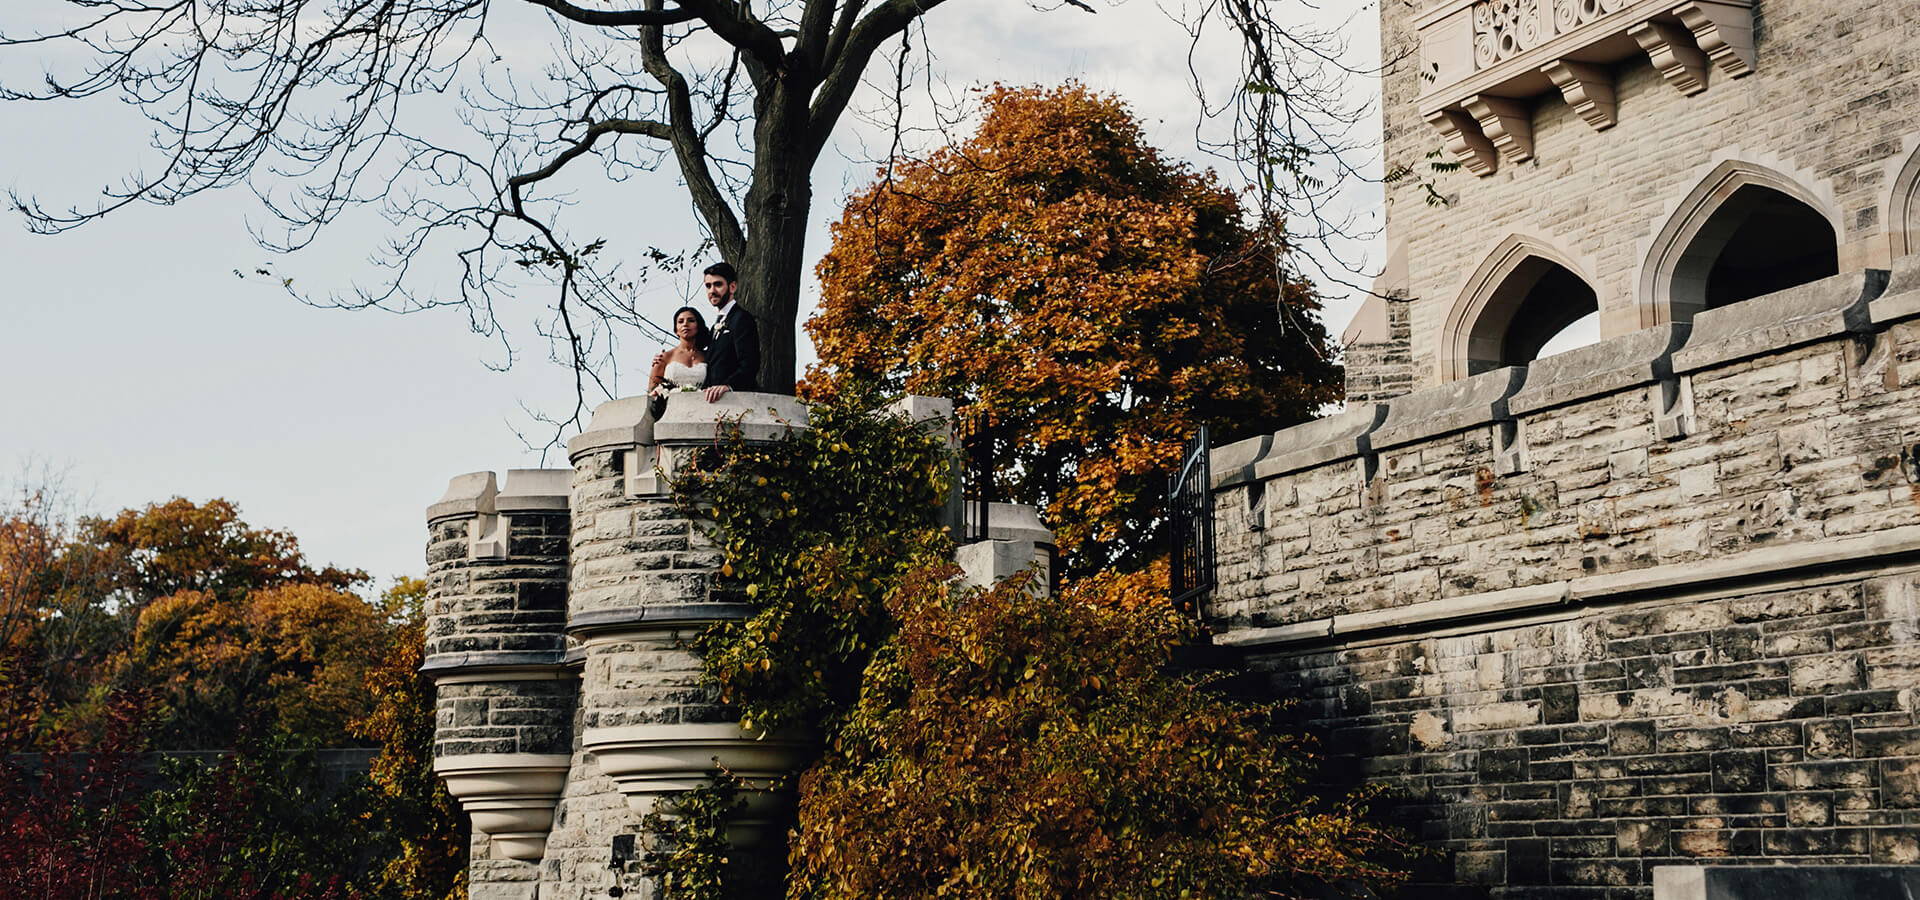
[687, 853]
[816, 526]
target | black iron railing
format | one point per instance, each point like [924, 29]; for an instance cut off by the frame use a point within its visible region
[1190, 525]
[976, 490]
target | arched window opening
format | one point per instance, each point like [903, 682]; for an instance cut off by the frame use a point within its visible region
[1759, 241]
[1541, 308]
[1584, 330]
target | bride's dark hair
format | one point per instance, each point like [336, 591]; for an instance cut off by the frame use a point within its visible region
[702, 338]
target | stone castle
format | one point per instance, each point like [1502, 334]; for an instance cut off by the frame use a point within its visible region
[1652, 603]
[568, 704]
[1642, 606]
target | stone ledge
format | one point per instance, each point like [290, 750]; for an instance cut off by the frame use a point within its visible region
[1782, 320]
[1734, 570]
[496, 665]
[616, 424]
[1901, 300]
[535, 490]
[1466, 607]
[1610, 366]
[1233, 464]
[1448, 408]
[654, 617]
[1749, 565]
[690, 419]
[1785, 882]
[471, 494]
[1321, 441]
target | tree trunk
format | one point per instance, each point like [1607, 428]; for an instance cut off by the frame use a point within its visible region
[777, 204]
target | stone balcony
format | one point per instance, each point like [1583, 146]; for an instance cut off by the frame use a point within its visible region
[1484, 61]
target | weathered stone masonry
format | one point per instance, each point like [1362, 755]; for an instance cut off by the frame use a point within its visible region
[560, 609]
[1651, 602]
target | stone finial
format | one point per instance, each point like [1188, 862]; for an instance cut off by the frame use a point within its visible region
[471, 494]
[621, 423]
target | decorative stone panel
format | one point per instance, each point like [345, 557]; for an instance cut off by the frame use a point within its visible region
[1484, 61]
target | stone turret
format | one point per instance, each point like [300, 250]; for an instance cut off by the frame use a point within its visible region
[561, 615]
[644, 583]
[497, 569]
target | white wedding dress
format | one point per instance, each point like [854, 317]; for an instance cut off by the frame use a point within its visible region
[684, 376]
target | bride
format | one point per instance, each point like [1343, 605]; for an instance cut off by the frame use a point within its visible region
[683, 366]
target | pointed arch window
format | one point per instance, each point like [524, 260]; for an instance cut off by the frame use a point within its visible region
[1525, 302]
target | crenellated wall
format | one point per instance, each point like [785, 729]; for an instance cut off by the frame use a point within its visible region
[1651, 602]
[560, 614]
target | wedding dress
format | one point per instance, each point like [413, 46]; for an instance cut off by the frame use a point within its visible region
[686, 376]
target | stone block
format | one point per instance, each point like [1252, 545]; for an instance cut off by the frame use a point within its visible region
[1779, 321]
[1448, 408]
[1612, 366]
[1319, 442]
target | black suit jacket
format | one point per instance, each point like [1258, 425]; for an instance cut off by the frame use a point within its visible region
[733, 359]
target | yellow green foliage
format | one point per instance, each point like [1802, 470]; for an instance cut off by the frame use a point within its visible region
[408, 801]
[815, 528]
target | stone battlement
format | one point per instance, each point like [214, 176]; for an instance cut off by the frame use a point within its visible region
[1651, 602]
[561, 610]
[1781, 418]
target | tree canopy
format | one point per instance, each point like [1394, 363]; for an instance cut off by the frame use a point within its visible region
[223, 629]
[320, 106]
[1087, 303]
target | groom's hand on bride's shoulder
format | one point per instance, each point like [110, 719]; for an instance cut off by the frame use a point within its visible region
[716, 392]
[661, 359]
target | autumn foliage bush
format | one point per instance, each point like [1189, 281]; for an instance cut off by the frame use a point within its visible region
[179, 627]
[987, 742]
[1013, 744]
[1086, 302]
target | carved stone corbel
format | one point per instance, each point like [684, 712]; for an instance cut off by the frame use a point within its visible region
[1508, 124]
[1673, 53]
[1588, 89]
[1465, 141]
[1724, 32]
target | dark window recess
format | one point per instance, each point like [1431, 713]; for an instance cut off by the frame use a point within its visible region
[1776, 242]
[1190, 524]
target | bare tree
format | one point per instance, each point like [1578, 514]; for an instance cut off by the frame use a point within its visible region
[317, 106]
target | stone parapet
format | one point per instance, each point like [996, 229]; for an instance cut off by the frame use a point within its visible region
[1662, 446]
[497, 567]
[1675, 617]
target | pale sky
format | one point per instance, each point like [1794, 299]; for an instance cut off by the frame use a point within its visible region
[134, 360]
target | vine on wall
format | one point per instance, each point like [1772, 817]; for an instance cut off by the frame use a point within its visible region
[988, 742]
[817, 527]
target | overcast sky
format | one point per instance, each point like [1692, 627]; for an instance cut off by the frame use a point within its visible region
[134, 360]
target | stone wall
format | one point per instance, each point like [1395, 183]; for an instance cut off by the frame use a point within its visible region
[1831, 104]
[1652, 601]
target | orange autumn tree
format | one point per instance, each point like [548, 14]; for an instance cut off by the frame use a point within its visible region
[1087, 303]
[227, 624]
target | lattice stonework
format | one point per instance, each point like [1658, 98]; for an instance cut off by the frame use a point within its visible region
[1485, 60]
[1506, 28]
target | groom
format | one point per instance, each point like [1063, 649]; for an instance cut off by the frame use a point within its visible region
[733, 359]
